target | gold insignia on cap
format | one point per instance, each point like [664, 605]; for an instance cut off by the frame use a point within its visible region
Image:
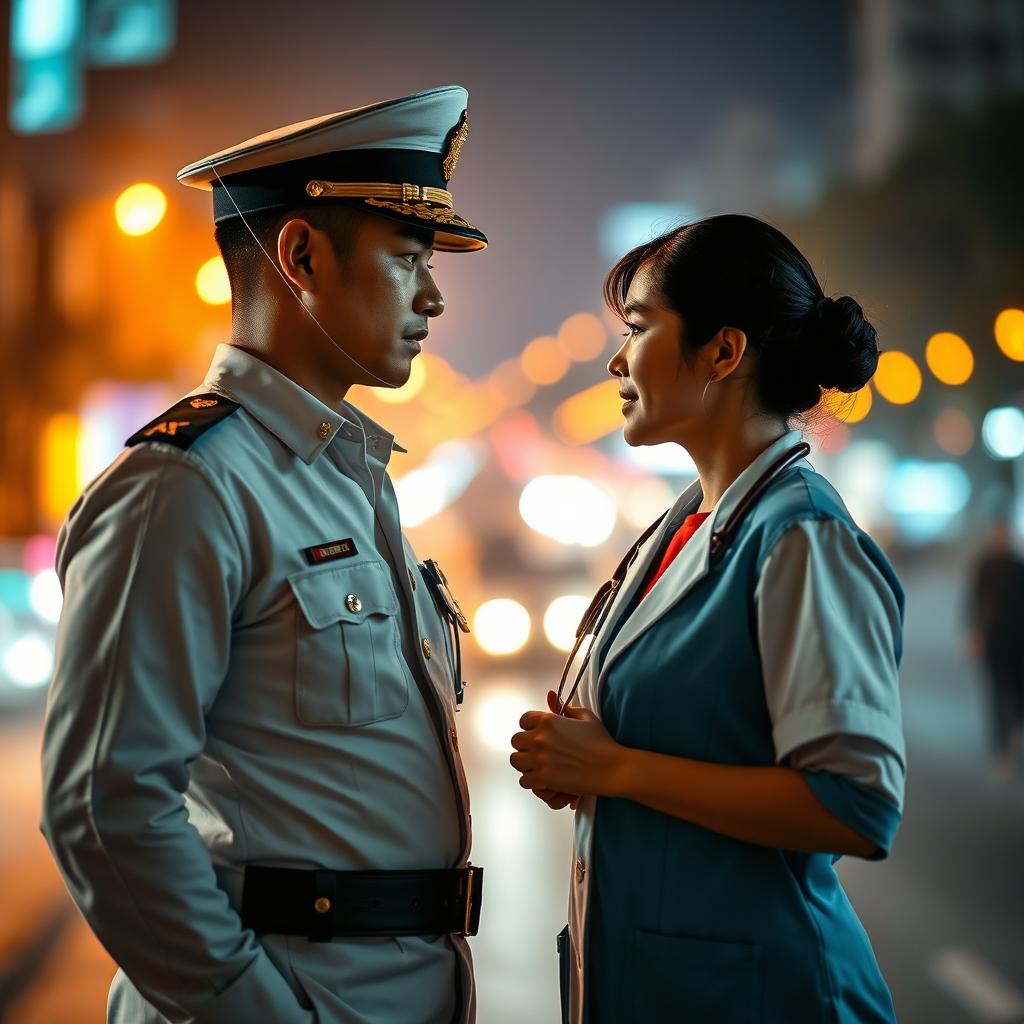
[456, 140]
[423, 211]
[203, 403]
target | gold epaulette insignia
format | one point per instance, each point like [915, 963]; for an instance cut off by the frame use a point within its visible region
[182, 424]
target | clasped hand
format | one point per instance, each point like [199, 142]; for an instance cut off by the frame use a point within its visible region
[562, 758]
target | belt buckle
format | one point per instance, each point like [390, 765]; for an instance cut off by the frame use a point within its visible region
[474, 878]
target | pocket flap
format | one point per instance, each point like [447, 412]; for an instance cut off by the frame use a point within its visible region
[344, 593]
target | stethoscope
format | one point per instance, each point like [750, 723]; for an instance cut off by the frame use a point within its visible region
[599, 608]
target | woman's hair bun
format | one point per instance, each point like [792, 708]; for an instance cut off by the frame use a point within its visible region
[844, 344]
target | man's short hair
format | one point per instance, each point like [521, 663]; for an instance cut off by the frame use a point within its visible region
[245, 260]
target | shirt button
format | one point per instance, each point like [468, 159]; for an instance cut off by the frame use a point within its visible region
[324, 430]
[455, 737]
[428, 651]
[322, 905]
[353, 604]
[580, 871]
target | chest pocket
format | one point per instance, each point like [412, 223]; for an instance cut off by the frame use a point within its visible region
[349, 668]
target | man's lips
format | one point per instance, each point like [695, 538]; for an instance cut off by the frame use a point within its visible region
[420, 335]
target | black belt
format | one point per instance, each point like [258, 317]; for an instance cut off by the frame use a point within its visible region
[326, 904]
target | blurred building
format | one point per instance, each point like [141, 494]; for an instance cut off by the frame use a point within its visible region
[915, 59]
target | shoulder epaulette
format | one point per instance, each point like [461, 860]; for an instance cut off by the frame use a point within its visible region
[183, 423]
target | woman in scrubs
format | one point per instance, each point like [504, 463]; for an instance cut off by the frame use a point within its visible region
[737, 727]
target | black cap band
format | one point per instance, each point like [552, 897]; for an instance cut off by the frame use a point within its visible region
[284, 185]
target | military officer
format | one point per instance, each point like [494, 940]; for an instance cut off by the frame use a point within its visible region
[252, 782]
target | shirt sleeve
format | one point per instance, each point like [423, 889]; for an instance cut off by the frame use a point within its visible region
[152, 570]
[829, 627]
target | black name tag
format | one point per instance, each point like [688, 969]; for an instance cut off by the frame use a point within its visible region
[330, 551]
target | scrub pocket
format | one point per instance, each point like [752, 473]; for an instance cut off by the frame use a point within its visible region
[672, 979]
[349, 667]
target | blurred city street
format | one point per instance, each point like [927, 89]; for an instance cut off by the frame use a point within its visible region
[883, 138]
[944, 912]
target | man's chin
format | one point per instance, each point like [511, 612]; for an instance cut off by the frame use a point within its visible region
[393, 376]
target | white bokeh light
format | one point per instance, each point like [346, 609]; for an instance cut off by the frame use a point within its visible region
[568, 509]
[1003, 432]
[501, 626]
[421, 494]
[562, 618]
[28, 661]
[44, 594]
[427, 490]
[497, 714]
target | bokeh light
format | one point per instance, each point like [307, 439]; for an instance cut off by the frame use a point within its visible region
[212, 284]
[568, 509]
[583, 336]
[561, 619]
[501, 626]
[28, 661]
[1009, 331]
[925, 497]
[834, 438]
[849, 408]
[544, 361]
[590, 414]
[39, 553]
[1002, 430]
[45, 595]
[497, 715]
[898, 378]
[954, 431]
[511, 383]
[59, 449]
[140, 208]
[949, 358]
[421, 495]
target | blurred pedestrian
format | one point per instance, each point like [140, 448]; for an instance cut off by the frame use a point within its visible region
[995, 618]
[739, 722]
[252, 783]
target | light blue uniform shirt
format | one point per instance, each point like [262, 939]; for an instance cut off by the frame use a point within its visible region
[786, 652]
[218, 701]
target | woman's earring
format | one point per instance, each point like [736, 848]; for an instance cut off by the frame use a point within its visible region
[711, 380]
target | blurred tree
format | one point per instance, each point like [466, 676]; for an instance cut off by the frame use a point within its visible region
[937, 243]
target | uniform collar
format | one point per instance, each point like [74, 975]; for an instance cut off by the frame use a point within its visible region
[690, 565]
[298, 419]
[735, 492]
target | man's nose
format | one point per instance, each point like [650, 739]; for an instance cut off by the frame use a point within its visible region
[429, 302]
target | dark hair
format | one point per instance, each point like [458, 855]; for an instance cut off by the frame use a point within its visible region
[243, 257]
[737, 271]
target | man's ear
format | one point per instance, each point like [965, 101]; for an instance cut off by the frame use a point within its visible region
[295, 254]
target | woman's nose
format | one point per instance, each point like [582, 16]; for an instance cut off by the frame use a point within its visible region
[617, 365]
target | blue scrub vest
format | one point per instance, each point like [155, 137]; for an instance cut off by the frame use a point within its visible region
[688, 925]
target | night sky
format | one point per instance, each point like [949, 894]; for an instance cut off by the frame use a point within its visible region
[573, 107]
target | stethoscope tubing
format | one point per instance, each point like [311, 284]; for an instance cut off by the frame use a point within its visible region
[597, 612]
